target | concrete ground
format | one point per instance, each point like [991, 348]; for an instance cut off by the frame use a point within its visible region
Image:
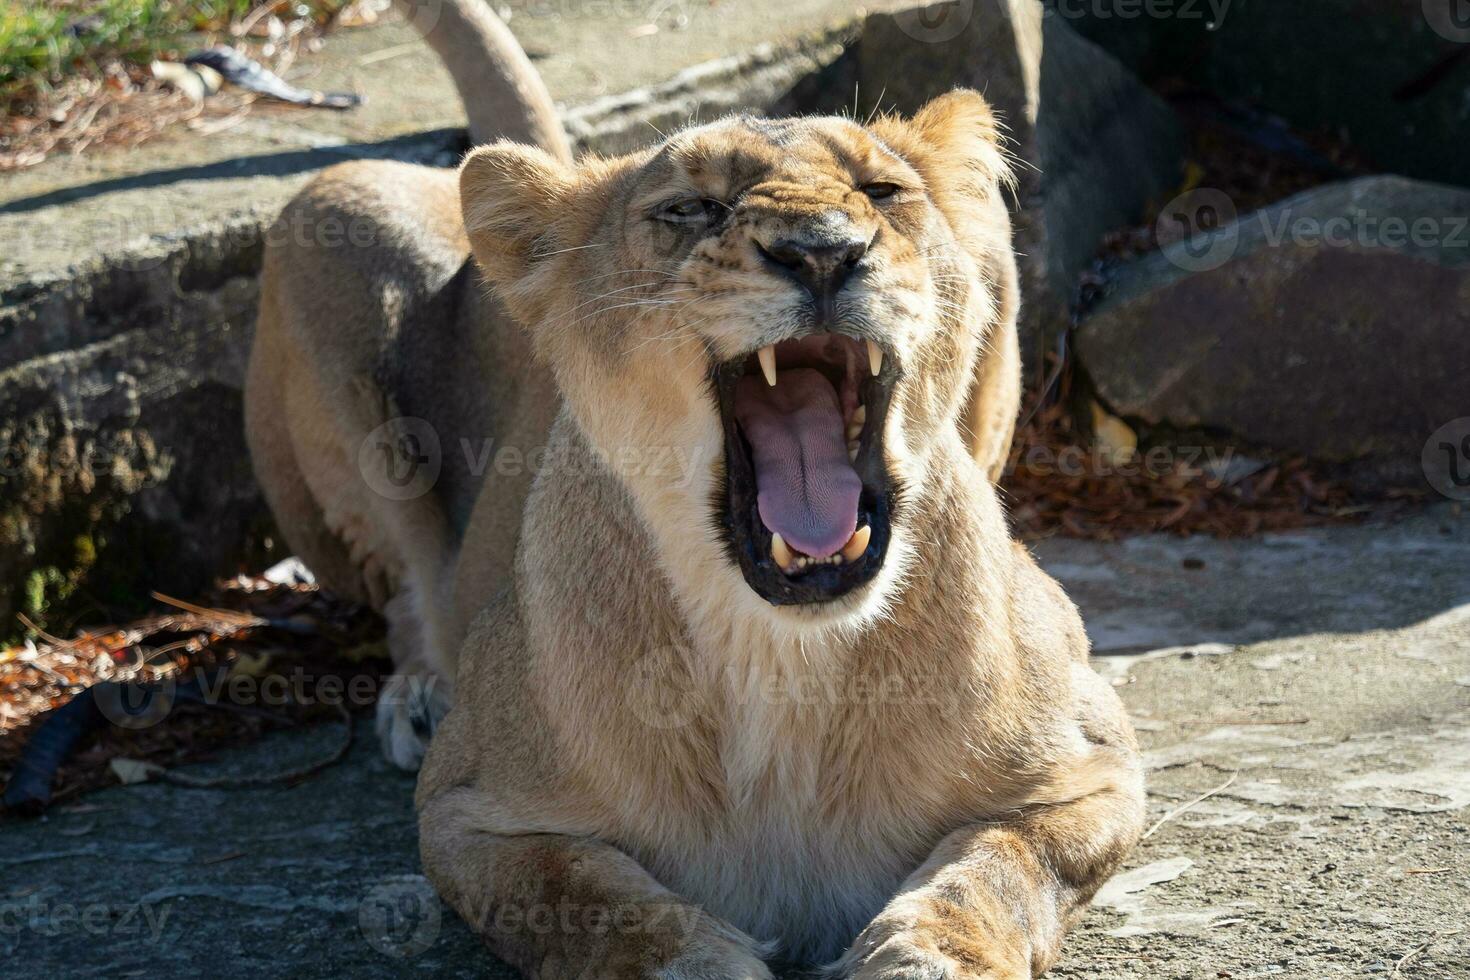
[1315, 685]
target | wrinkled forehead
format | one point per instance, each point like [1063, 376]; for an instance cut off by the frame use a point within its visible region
[724, 158]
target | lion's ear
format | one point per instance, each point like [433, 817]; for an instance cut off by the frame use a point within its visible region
[513, 201]
[956, 139]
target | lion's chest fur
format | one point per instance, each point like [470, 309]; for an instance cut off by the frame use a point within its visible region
[813, 831]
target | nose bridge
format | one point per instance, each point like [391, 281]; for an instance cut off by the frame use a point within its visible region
[830, 227]
[814, 216]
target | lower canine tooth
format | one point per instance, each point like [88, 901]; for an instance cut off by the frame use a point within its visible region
[780, 552]
[852, 451]
[857, 544]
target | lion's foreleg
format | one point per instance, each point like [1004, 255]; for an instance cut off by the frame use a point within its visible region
[995, 899]
[558, 906]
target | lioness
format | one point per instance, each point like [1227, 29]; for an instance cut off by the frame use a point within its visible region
[767, 678]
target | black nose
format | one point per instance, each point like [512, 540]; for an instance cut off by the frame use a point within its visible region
[821, 266]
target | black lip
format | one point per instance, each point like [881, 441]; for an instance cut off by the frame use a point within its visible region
[747, 539]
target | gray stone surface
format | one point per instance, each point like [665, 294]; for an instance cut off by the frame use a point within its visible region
[1335, 324]
[1337, 849]
[1093, 146]
[1391, 75]
[1154, 592]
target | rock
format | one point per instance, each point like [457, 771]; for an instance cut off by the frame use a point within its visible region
[1390, 74]
[124, 462]
[1335, 324]
[759, 79]
[1094, 145]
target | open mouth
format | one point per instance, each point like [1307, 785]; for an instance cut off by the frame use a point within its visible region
[807, 499]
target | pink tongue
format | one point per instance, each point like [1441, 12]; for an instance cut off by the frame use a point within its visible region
[805, 487]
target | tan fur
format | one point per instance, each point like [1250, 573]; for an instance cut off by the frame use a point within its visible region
[648, 770]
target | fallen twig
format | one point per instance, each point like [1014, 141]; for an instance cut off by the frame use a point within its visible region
[1417, 951]
[225, 615]
[1185, 806]
[1210, 722]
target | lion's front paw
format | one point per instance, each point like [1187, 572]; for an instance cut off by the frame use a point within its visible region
[715, 961]
[409, 709]
[911, 954]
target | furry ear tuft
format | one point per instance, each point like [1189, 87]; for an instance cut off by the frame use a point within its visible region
[959, 138]
[512, 198]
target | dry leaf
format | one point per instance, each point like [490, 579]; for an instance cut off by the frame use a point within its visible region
[129, 771]
[1112, 435]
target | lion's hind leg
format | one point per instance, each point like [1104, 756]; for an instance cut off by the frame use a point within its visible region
[341, 476]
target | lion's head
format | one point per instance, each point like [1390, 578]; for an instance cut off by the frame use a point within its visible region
[794, 306]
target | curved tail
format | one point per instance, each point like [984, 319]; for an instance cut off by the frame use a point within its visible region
[503, 94]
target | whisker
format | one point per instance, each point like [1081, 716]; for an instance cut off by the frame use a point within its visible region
[574, 248]
[646, 303]
[611, 292]
[623, 272]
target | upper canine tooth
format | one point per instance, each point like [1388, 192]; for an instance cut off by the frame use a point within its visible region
[857, 544]
[875, 358]
[767, 355]
[780, 551]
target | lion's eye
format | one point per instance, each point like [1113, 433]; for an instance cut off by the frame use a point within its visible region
[878, 190]
[687, 210]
